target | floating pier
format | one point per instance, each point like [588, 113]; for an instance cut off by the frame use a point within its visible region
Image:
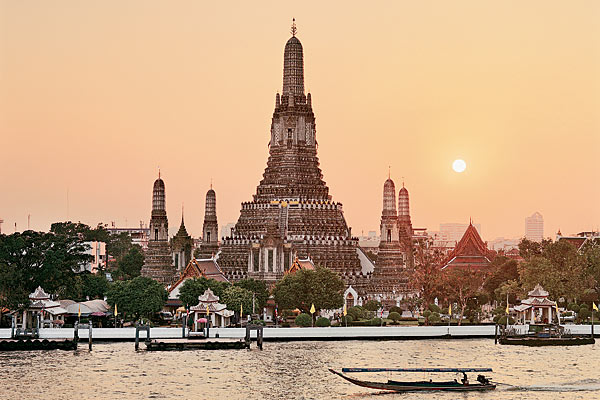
[199, 343]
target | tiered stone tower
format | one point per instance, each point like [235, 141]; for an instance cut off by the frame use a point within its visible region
[405, 225]
[182, 245]
[388, 276]
[210, 228]
[292, 213]
[158, 262]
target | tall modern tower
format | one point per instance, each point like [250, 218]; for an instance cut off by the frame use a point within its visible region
[292, 213]
[158, 263]
[534, 227]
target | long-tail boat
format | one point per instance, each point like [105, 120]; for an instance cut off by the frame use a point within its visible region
[423, 386]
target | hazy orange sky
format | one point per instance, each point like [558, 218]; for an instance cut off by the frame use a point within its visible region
[95, 96]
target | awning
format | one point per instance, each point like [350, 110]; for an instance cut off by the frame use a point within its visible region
[56, 310]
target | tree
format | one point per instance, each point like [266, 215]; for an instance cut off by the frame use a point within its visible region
[235, 297]
[426, 276]
[372, 305]
[259, 288]
[303, 320]
[31, 259]
[130, 264]
[461, 285]
[412, 303]
[140, 297]
[321, 287]
[502, 270]
[591, 254]
[193, 288]
[560, 270]
[394, 316]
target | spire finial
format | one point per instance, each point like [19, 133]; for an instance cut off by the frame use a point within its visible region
[402, 181]
[211, 183]
[389, 172]
[159, 172]
[294, 30]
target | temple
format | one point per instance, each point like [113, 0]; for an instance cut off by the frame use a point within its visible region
[292, 213]
[158, 263]
[182, 245]
[470, 252]
[389, 283]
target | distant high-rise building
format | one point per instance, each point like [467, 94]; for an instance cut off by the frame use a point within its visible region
[453, 232]
[534, 227]
[158, 263]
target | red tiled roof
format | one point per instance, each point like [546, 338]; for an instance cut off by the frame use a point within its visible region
[470, 252]
[197, 268]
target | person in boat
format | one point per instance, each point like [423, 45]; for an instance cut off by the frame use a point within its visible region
[464, 380]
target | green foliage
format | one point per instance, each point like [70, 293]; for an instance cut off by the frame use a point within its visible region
[502, 270]
[372, 305]
[31, 259]
[193, 288]
[347, 319]
[501, 320]
[87, 286]
[356, 312]
[374, 322]
[259, 288]
[434, 317]
[129, 265]
[434, 308]
[396, 309]
[323, 322]
[235, 297]
[427, 313]
[303, 320]
[321, 287]
[394, 316]
[140, 296]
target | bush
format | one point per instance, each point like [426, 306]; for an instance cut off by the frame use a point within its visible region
[356, 312]
[434, 317]
[322, 322]
[573, 307]
[347, 320]
[394, 316]
[372, 305]
[501, 320]
[396, 309]
[584, 313]
[303, 320]
[435, 309]
[374, 322]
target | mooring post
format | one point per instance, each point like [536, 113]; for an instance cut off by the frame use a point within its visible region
[12, 328]
[183, 327]
[259, 337]
[137, 337]
[76, 332]
[496, 334]
[90, 336]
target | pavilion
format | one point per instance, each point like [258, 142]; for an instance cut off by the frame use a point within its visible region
[218, 313]
[537, 308]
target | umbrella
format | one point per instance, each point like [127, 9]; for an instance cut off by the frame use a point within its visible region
[98, 314]
[202, 320]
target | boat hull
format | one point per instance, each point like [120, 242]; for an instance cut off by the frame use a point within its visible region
[536, 341]
[417, 386]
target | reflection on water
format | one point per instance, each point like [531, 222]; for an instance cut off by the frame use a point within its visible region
[294, 370]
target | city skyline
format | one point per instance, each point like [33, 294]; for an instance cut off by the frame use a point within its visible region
[154, 102]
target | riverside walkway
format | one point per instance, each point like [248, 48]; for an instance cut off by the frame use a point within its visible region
[299, 334]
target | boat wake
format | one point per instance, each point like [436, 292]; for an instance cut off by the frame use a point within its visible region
[574, 387]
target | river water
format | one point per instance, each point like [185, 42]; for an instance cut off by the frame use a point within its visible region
[294, 370]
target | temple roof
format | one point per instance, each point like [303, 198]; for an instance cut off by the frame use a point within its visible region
[299, 264]
[197, 268]
[538, 291]
[182, 231]
[39, 294]
[470, 251]
[208, 297]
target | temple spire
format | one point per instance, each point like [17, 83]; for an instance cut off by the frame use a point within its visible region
[293, 66]
[294, 30]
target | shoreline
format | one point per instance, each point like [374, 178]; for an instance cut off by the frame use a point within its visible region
[272, 334]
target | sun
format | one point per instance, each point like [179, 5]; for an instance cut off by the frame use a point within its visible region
[459, 165]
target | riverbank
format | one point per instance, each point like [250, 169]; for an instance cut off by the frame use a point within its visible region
[273, 334]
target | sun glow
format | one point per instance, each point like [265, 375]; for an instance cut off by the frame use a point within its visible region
[459, 165]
